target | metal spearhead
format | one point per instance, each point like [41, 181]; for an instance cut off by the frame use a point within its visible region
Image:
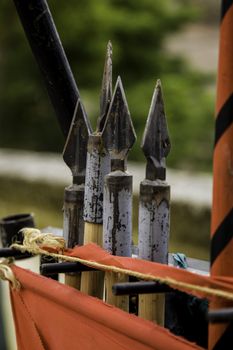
[156, 142]
[118, 133]
[75, 149]
[106, 89]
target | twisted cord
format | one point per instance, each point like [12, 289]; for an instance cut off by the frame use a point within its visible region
[35, 240]
[7, 274]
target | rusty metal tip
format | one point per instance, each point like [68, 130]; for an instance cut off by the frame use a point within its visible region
[75, 149]
[106, 89]
[118, 132]
[156, 142]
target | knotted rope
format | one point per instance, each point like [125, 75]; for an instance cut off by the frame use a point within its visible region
[7, 274]
[34, 241]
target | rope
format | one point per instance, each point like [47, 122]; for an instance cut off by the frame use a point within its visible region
[7, 274]
[34, 237]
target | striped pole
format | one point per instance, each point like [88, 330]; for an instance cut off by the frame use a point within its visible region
[98, 165]
[154, 203]
[118, 137]
[222, 211]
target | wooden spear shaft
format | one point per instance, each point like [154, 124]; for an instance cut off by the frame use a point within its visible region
[118, 138]
[98, 165]
[74, 155]
[117, 228]
[154, 220]
[73, 225]
[154, 203]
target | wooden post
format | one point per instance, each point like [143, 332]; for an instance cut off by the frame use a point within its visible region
[154, 207]
[74, 155]
[98, 165]
[118, 137]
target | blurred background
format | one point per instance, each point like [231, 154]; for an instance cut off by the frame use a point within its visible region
[174, 40]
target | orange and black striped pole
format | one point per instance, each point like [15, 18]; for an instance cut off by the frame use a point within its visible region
[221, 335]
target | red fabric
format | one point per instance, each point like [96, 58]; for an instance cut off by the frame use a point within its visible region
[95, 253]
[52, 316]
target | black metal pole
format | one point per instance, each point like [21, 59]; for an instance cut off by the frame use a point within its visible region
[47, 48]
[10, 232]
[64, 267]
[220, 315]
[9, 252]
[140, 288]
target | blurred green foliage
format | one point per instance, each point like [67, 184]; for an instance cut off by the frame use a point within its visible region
[138, 30]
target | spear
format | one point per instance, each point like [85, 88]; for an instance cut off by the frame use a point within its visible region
[47, 48]
[118, 137]
[98, 165]
[154, 202]
[74, 155]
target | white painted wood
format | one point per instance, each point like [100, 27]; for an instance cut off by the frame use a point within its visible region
[97, 167]
[117, 219]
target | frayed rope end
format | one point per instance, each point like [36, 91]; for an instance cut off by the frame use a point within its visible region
[34, 239]
[7, 274]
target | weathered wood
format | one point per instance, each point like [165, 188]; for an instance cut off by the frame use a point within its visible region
[92, 282]
[154, 203]
[117, 228]
[74, 155]
[151, 307]
[122, 301]
[98, 165]
[118, 138]
[73, 225]
[73, 280]
[117, 224]
[154, 221]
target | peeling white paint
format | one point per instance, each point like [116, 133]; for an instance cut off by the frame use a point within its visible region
[97, 167]
[117, 223]
[154, 222]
